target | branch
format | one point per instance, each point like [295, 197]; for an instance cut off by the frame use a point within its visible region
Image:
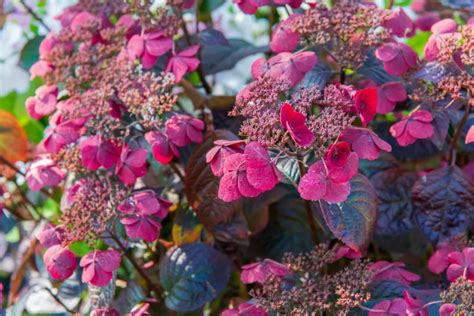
[34, 15]
[137, 267]
[58, 300]
[458, 132]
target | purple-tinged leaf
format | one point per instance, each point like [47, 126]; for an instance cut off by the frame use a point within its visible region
[353, 220]
[218, 57]
[435, 72]
[393, 188]
[212, 37]
[444, 202]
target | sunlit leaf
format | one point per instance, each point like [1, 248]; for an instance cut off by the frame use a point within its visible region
[13, 145]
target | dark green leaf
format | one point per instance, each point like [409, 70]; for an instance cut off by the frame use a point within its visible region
[30, 54]
[287, 231]
[289, 168]
[193, 275]
[206, 6]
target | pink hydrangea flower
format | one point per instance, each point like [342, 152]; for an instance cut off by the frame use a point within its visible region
[414, 306]
[49, 43]
[286, 66]
[183, 62]
[60, 262]
[130, 24]
[415, 126]
[397, 58]
[337, 155]
[50, 236]
[365, 143]
[56, 137]
[388, 95]
[116, 109]
[97, 151]
[85, 21]
[393, 271]
[396, 306]
[67, 106]
[131, 165]
[234, 183]
[441, 30]
[148, 47]
[142, 213]
[148, 202]
[461, 264]
[251, 6]
[470, 135]
[82, 20]
[447, 309]
[400, 24]
[295, 123]
[292, 3]
[218, 154]
[248, 174]
[331, 185]
[425, 21]
[261, 271]
[365, 104]
[444, 26]
[438, 261]
[343, 251]
[183, 130]
[98, 266]
[163, 150]
[42, 173]
[284, 39]
[141, 226]
[261, 172]
[46, 45]
[44, 102]
[40, 69]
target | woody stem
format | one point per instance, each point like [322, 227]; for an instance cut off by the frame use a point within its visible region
[137, 267]
[458, 132]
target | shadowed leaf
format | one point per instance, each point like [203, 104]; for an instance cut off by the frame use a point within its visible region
[193, 275]
[444, 203]
[393, 188]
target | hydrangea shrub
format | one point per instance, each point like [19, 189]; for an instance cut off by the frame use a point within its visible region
[338, 180]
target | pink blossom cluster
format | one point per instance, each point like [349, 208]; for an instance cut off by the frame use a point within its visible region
[458, 265]
[106, 115]
[290, 129]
